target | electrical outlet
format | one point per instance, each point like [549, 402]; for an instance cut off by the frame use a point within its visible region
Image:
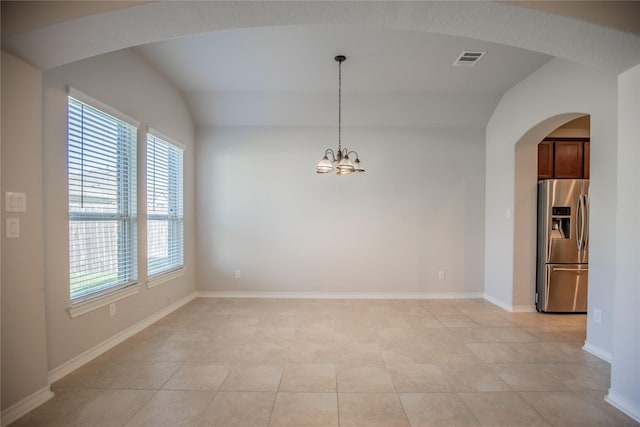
[442, 275]
[597, 315]
[238, 274]
[112, 309]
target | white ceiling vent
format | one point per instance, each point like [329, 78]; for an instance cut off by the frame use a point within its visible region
[468, 58]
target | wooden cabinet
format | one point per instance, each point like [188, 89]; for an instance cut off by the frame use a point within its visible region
[563, 159]
[587, 158]
[568, 160]
[545, 160]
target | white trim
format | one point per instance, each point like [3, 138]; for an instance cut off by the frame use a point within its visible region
[26, 405]
[83, 97]
[598, 352]
[69, 366]
[161, 278]
[338, 295]
[80, 308]
[166, 138]
[497, 302]
[510, 308]
[627, 406]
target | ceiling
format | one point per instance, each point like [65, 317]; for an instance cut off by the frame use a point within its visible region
[269, 63]
[286, 76]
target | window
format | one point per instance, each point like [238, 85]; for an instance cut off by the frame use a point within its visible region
[102, 201]
[165, 218]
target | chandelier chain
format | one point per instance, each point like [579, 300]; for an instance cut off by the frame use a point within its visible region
[340, 106]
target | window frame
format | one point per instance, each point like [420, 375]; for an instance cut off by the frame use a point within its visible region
[176, 222]
[125, 215]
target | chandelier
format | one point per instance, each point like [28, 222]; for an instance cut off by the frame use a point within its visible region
[340, 157]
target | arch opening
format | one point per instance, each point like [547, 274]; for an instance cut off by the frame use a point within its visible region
[525, 203]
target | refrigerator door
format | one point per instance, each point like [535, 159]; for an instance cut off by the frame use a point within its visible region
[565, 289]
[559, 228]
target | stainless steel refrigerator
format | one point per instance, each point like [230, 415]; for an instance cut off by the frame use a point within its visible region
[563, 245]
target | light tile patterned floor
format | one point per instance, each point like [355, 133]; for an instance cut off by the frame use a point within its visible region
[267, 362]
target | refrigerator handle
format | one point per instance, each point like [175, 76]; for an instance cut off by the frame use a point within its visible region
[579, 222]
[582, 221]
[585, 219]
[578, 271]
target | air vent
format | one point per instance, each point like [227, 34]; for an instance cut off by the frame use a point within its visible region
[468, 59]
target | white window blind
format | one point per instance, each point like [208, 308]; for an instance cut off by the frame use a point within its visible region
[102, 201]
[165, 217]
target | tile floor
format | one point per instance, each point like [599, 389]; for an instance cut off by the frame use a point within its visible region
[388, 363]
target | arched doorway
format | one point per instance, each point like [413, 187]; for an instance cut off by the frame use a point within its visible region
[525, 207]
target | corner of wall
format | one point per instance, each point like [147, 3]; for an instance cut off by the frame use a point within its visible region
[24, 343]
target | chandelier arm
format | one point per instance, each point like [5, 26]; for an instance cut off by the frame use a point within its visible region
[333, 154]
[354, 152]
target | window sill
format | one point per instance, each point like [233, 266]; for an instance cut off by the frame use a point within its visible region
[161, 278]
[88, 306]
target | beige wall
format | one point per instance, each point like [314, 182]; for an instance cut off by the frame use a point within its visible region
[125, 82]
[24, 345]
[417, 210]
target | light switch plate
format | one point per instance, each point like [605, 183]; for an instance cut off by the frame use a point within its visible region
[15, 202]
[12, 228]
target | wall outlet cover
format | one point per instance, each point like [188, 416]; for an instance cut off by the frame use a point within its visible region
[12, 228]
[597, 315]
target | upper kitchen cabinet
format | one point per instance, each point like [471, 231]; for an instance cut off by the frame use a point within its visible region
[563, 159]
[587, 156]
[568, 159]
[545, 160]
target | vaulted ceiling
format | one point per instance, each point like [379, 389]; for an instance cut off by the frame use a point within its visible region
[287, 75]
[271, 63]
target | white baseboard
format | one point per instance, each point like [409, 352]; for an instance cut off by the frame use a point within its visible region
[26, 405]
[598, 352]
[339, 295]
[496, 301]
[508, 307]
[82, 359]
[627, 406]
